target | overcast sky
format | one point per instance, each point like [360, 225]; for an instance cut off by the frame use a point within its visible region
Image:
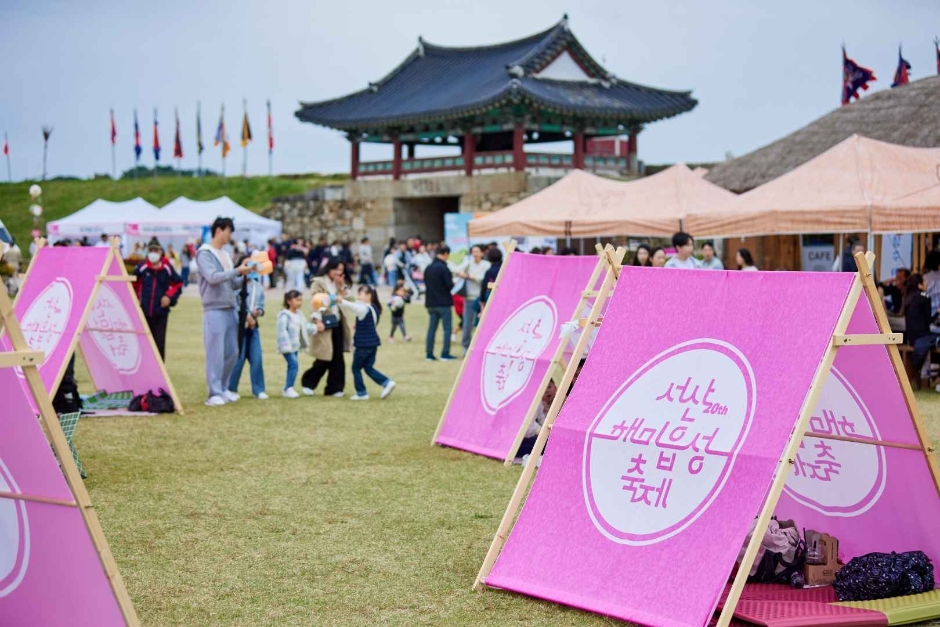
[758, 69]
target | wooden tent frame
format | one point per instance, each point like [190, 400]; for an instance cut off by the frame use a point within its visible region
[612, 262]
[863, 284]
[104, 277]
[557, 362]
[558, 359]
[28, 361]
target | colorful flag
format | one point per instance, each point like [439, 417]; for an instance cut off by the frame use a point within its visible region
[199, 146]
[113, 129]
[156, 137]
[854, 77]
[221, 136]
[901, 76]
[137, 148]
[271, 130]
[6, 146]
[178, 142]
[246, 130]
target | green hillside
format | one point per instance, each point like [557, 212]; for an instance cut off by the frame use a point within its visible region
[62, 197]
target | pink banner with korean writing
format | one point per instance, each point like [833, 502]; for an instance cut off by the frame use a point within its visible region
[114, 343]
[50, 306]
[871, 498]
[664, 452]
[513, 350]
[50, 573]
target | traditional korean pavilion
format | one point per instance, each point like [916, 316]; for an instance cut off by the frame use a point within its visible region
[492, 100]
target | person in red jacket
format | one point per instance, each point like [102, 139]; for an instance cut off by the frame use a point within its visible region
[158, 287]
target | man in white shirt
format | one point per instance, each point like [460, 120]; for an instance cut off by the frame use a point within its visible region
[104, 243]
[684, 245]
[709, 260]
[472, 270]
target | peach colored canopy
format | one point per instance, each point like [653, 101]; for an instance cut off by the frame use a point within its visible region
[585, 205]
[858, 185]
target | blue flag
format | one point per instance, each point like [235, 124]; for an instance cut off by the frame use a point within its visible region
[137, 148]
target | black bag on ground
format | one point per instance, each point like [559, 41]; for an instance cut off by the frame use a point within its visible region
[883, 576]
[67, 400]
[160, 403]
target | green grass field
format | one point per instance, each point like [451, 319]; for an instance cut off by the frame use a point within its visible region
[315, 511]
[63, 197]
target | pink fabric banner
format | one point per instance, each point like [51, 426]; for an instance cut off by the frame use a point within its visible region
[49, 308]
[513, 351]
[117, 351]
[855, 492]
[665, 450]
[50, 573]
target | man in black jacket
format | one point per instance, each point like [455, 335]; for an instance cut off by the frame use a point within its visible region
[439, 282]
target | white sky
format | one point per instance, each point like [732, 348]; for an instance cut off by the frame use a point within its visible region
[759, 69]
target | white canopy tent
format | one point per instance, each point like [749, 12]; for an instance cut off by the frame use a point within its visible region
[102, 216]
[186, 218]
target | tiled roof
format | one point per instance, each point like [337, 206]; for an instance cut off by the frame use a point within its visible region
[437, 83]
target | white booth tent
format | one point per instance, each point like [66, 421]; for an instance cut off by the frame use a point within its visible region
[184, 219]
[101, 217]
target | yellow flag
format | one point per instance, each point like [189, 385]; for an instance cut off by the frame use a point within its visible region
[246, 131]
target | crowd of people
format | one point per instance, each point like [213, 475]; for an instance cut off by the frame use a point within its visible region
[232, 292]
[684, 257]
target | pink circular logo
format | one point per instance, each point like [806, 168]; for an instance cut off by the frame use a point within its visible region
[14, 535]
[659, 452]
[111, 330]
[835, 477]
[46, 317]
[510, 356]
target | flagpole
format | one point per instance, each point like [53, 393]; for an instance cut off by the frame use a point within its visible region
[177, 142]
[222, 140]
[244, 143]
[113, 156]
[156, 159]
[270, 151]
[198, 139]
[6, 144]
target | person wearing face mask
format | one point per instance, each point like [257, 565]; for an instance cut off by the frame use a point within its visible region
[158, 287]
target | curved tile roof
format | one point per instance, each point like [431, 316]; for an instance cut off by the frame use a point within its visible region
[438, 83]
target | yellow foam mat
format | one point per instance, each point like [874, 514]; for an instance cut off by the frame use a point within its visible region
[904, 610]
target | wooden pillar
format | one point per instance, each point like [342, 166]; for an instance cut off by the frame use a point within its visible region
[354, 159]
[469, 152]
[518, 148]
[633, 163]
[411, 150]
[579, 150]
[396, 159]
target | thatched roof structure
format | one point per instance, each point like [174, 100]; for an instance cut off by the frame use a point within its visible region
[909, 116]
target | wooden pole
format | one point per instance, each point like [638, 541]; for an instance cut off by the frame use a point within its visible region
[510, 249]
[53, 430]
[613, 272]
[556, 359]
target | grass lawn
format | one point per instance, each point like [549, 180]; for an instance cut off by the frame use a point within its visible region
[63, 197]
[307, 511]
